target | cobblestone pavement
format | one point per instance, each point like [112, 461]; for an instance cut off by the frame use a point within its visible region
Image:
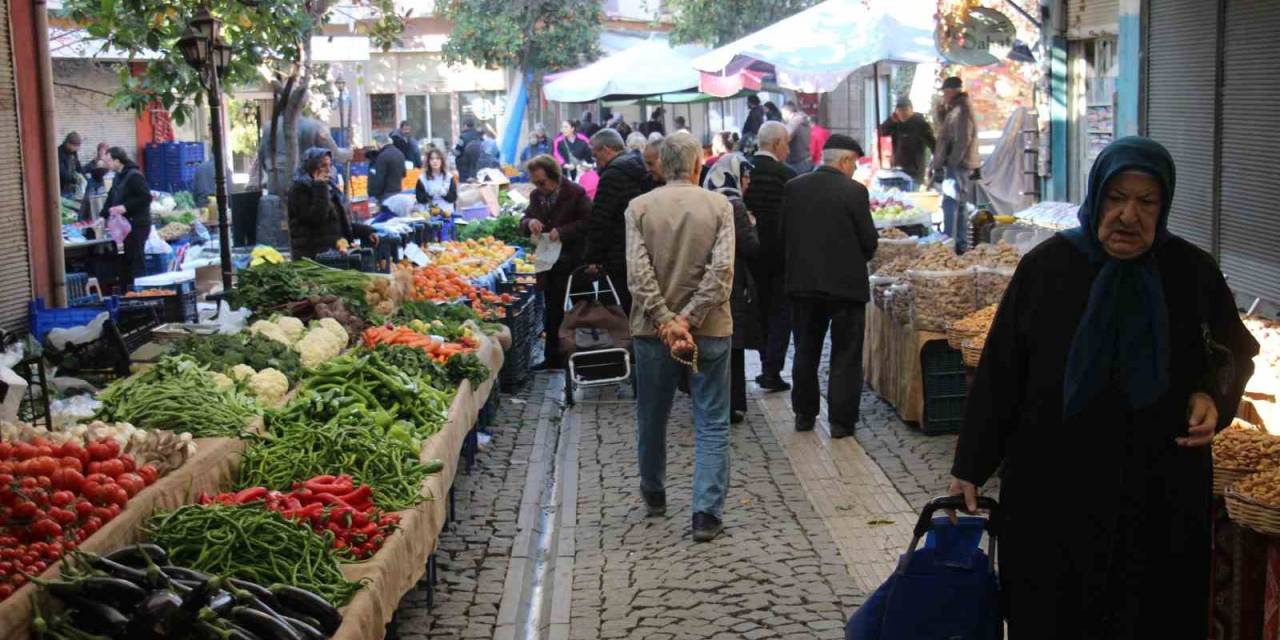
[475, 550]
[775, 573]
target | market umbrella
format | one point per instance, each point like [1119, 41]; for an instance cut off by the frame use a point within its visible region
[647, 69]
[814, 50]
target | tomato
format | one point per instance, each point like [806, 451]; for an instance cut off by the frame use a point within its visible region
[62, 498]
[68, 480]
[99, 451]
[8, 467]
[71, 449]
[84, 509]
[62, 516]
[18, 580]
[6, 450]
[5, 591]
[25, 451]
[29, 483]
[46, 528]
[25, 510]
[102, 513]
[44, 465]
[149, 473]
[131, 482]
[70, 462]
[94, 468]
[118, 496]
[99, 478]
[38, 567]
[92, 525]
[130, 465]
[6, 479]
[92, 491]
[112, 468]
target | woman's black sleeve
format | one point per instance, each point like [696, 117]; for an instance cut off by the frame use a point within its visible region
[1229, 331]
[992, 409]
[421, 194]
[452, 196]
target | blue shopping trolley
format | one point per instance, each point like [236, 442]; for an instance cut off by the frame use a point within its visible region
[946, 590]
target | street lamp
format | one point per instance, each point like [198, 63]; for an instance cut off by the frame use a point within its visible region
[202, 47]
[344, 118]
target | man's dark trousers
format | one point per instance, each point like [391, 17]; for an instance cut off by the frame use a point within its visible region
[810, 319]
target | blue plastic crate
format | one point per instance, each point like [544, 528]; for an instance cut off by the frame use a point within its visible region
[78, 290]
[44, 320]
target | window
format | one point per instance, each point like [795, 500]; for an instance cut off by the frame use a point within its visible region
[382, 109]
[415, 111]
[442, 119]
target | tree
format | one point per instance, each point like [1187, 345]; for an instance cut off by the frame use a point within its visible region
[268, 38]
[716, 22]
[532, 36]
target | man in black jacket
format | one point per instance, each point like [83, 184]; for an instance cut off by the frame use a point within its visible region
[386, 174]
[911, 135]
[408, 144]
[829, 237]
[69, 168]
[764, 200]
[622, 178]
[469, 134]
[755, 118]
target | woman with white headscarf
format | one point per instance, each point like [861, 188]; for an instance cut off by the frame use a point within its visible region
[730, 176]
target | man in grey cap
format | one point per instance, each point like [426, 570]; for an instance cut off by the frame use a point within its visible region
[829, 237]
[386, 174]
[69, 169]
[956, 158]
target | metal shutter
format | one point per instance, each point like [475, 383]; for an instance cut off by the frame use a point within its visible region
[1181, 76]
[1249, 240]
[1091, 18]
[15, 263]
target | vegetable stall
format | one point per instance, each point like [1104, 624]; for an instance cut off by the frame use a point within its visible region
[315, 466]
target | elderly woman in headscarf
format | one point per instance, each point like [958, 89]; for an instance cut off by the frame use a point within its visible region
[317, 218]
[1116, 355]
[730, 176]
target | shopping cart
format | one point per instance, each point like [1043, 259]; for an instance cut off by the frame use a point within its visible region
[595, 335]
[947, 589]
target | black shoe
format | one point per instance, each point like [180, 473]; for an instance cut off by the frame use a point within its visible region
[839, 431]
[773, 383]
[655, 504]
[804, 424]
[706, 527]
[737, 417]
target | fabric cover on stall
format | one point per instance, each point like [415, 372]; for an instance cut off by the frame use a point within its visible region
[1003, 178]
[648, 69]
[815, 49]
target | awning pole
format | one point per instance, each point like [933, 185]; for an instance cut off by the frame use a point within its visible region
[875, 129]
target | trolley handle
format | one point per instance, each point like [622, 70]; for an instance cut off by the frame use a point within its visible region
[953, 502]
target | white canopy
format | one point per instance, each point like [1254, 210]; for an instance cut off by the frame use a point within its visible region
[814, 50]
[647, 69]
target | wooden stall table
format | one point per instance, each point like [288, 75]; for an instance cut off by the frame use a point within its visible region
[891, 362]
[402, 561]
[210, 470]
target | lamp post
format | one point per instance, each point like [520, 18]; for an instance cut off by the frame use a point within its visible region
[202, 47]
[344, 118]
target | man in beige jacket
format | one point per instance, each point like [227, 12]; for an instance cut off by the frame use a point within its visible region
[680, 270]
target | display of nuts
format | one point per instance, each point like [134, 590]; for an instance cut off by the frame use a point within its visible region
[898, 300]
[978, 322]
[893, 244]
[895, 268]
[1262, 487]
[1001, 254]
[1244, 446]
[940, 298]
[893, 233]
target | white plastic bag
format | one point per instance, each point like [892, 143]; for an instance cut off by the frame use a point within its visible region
[546, 253]
[416, 255]
[156, 244]
[229, 321]
[60, 338]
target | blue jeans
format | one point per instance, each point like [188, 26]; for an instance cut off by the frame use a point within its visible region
[656, 374]
[955, 219]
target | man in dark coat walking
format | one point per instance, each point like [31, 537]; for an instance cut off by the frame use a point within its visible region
[829, 237]
[764, 201]
[912, 136]
[69, 168]
[386, 175]
[755, 118]
[622, 178]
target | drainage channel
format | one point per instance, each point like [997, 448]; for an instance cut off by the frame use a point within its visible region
[530, 597]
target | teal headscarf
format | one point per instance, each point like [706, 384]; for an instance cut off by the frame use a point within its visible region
[1123, 338]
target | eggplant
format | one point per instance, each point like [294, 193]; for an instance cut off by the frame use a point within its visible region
[156, 616]
[257, 590]
[307, 631]
[308, 604]
[114, 592]
[265, 626]
[98, 618]
[183, 573]
[221, 602]
[192, 606]
[136, 555]
[117, 570]
[210, 631]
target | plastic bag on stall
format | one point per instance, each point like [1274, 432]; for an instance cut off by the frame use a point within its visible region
[118, 227]
[200, 233]
[546, 254]
[231, 321]
[156, 244]
[60, 338]
[413, 253]
[13, 355]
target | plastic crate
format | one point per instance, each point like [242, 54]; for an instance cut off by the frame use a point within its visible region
[33, 408]
[43, 320]
[946, 387]
[78, 294]
[104, 359]
[177, 307]
[356, 259]
[157, 263]
[136, 326]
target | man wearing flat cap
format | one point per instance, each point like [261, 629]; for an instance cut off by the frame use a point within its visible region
[956, 158]
[828, 236]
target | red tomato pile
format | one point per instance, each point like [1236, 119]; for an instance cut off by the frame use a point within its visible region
[326, 504]
[52, 497]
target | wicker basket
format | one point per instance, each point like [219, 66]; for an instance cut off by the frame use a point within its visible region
[1224, 477]
[972, 353]
[1264, 519]
[956, 338]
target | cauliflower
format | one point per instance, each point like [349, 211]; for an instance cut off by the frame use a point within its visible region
[336, 328]
[241, 372]
[270, 330]
[319, 345]
[270, 386]
[221, 381]
[292, 327]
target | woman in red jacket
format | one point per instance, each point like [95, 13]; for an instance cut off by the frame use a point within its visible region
[560, 209]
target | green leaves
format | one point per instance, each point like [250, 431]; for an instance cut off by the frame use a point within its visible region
[715, 22]
[547, 35]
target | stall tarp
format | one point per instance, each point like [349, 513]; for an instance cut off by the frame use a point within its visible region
[1003, 173]
[210, 470]
[648, 69]
[402, 561]
[814, 50]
